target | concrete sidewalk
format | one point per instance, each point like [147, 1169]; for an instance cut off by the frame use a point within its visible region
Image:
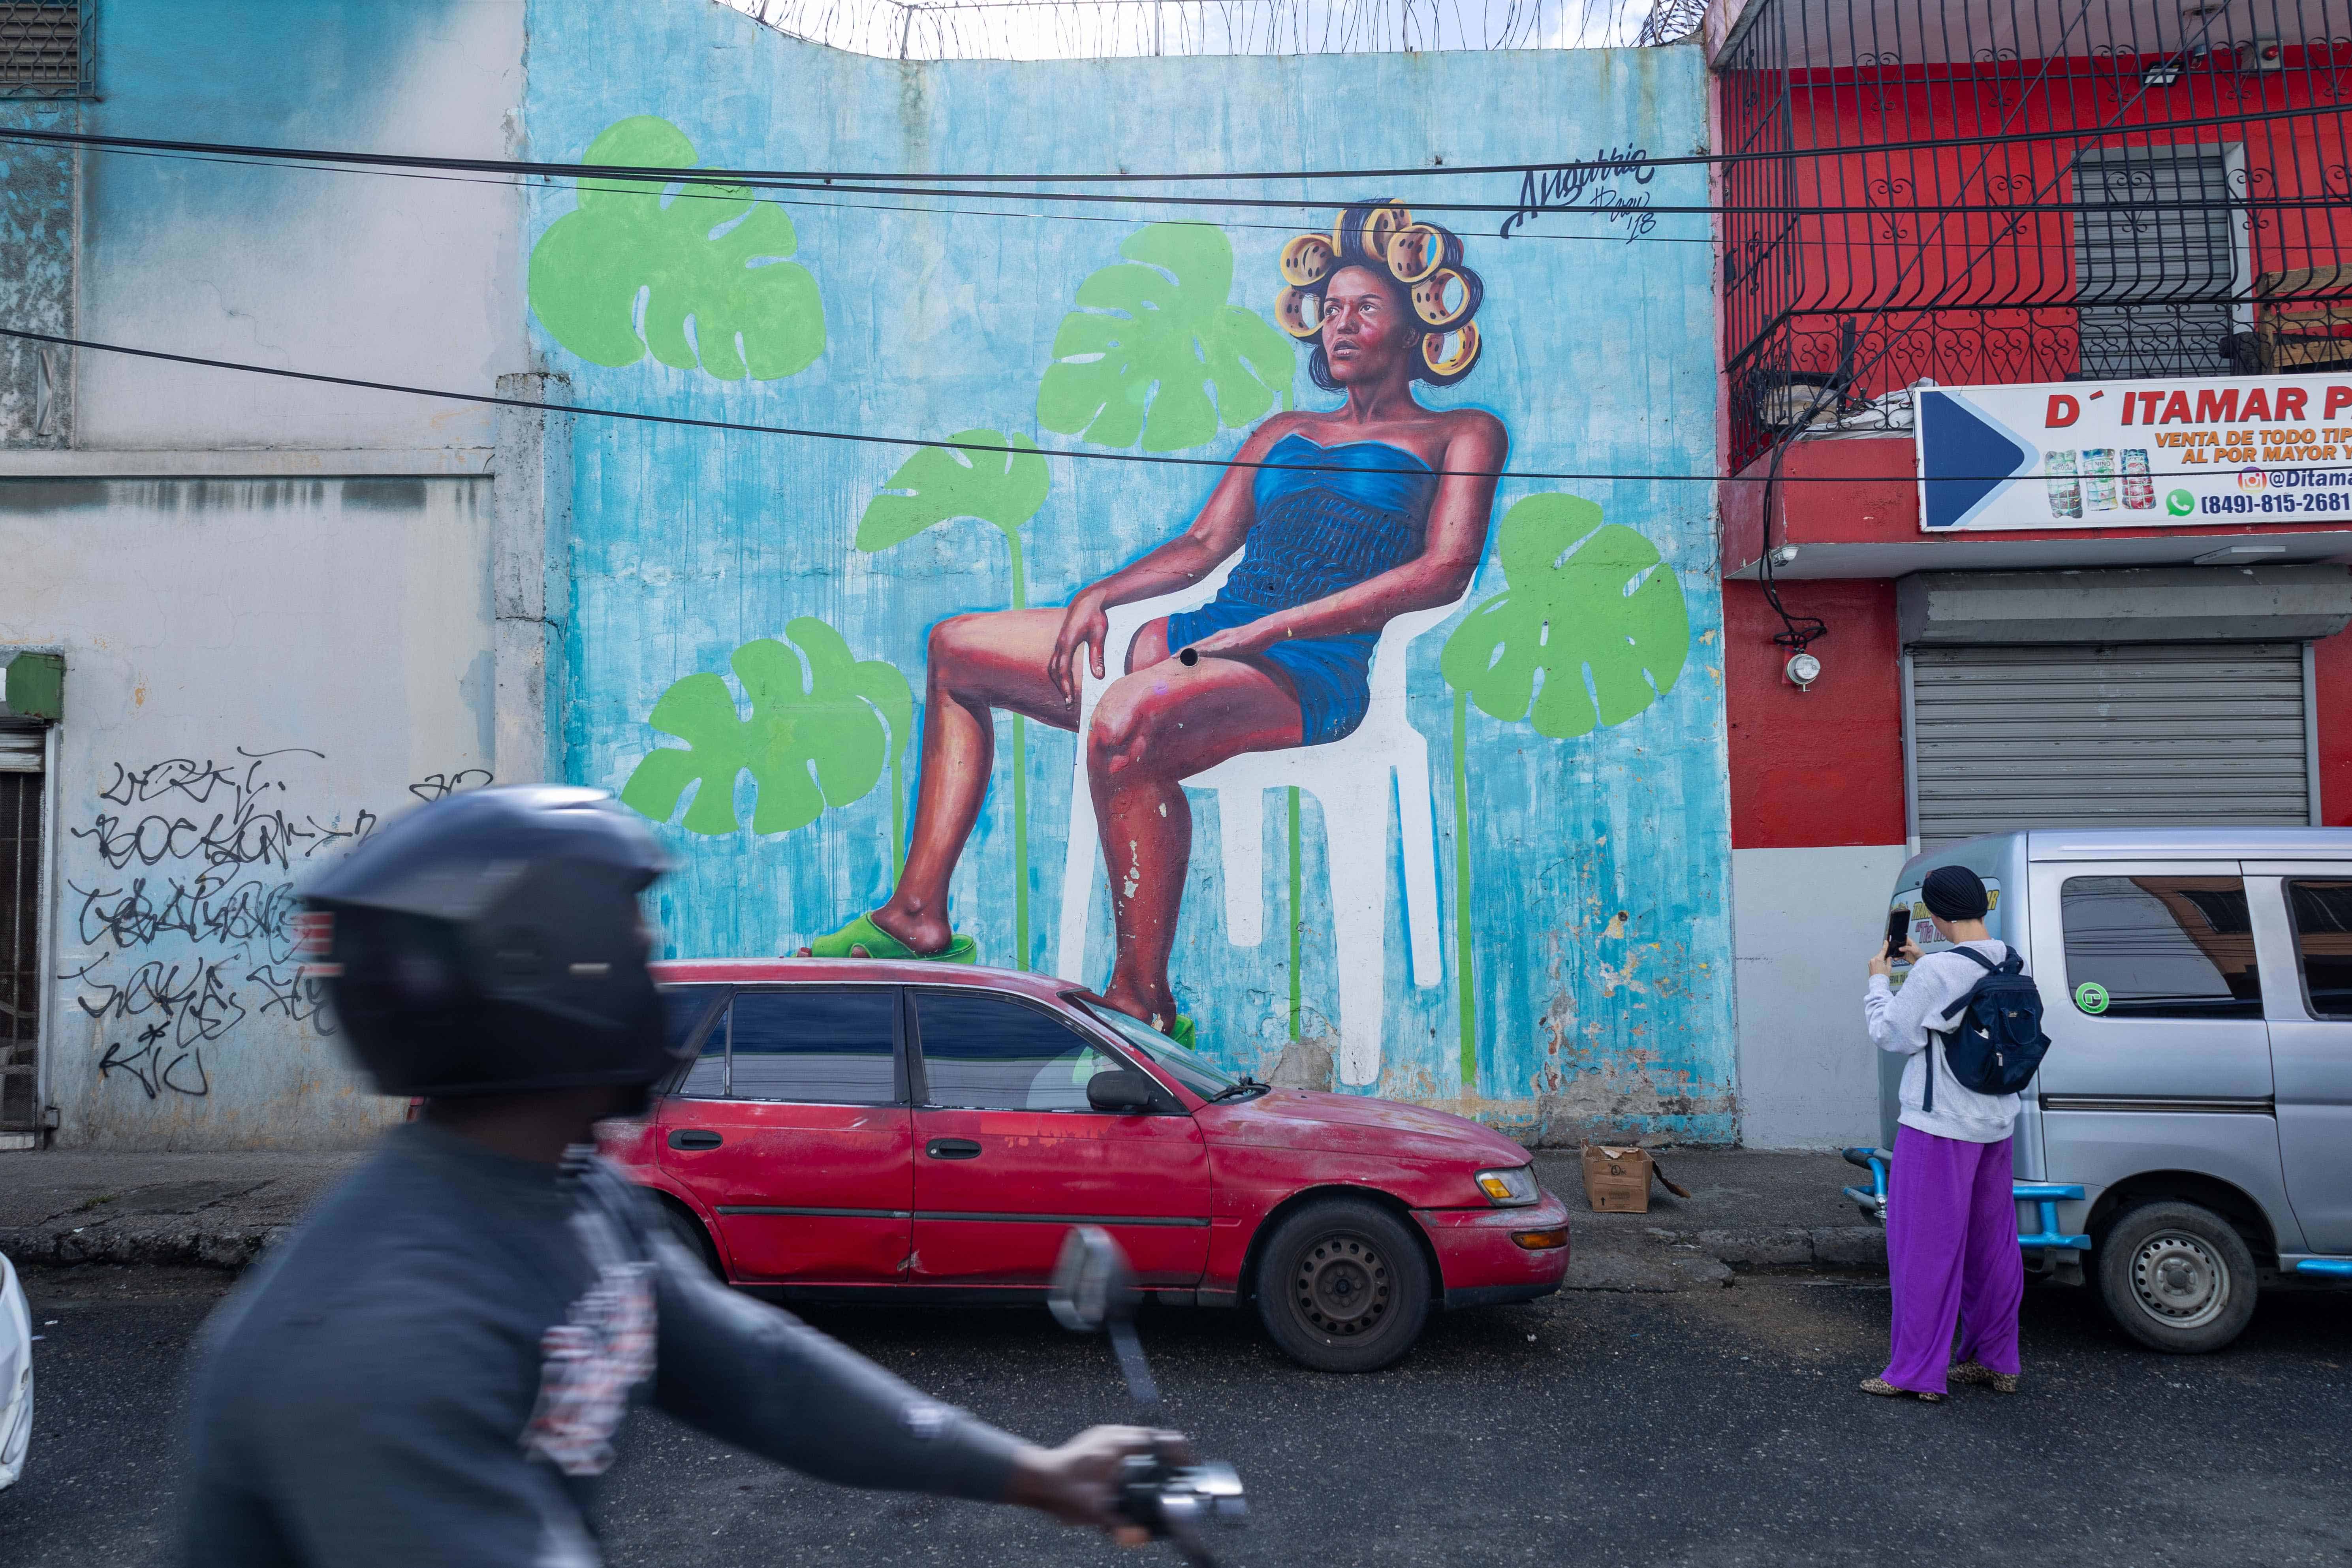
[1748, 1209]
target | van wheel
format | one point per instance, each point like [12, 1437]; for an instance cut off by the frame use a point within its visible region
[1342, 1287]
[2177, 1277]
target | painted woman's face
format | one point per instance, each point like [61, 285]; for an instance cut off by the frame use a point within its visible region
[1366, 329]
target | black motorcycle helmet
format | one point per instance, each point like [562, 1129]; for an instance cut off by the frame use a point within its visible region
[492, 943]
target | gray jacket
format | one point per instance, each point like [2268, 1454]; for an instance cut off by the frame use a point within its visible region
[432, 1367]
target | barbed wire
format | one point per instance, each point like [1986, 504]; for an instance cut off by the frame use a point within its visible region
[1112, 29]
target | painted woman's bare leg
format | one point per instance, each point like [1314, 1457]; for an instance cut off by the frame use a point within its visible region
[1152, 730]
[976, 663]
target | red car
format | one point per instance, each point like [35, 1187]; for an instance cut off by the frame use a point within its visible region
[847, 1126]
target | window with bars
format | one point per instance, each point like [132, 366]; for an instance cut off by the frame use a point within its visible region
[44, 50]
[20, 980]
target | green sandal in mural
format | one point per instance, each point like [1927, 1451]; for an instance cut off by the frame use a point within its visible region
[1183, 1032]
[880, 943]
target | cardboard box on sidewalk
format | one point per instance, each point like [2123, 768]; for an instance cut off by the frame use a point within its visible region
[1617, 1180]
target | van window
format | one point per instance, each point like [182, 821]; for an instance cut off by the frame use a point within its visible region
[2160, 947]
[2322, 945]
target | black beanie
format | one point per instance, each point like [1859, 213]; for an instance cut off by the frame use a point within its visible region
[1954, 893]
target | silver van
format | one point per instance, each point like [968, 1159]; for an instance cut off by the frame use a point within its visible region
[2188, 1140]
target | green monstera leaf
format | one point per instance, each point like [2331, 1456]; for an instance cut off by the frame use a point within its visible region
[940, 484]
[1146, 371]
[823, 727]
[725, 300]
[1583, 595]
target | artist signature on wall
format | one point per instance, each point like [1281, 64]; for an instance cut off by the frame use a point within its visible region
[1594, 185]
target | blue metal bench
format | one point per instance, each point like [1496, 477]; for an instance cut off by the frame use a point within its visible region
[2044, 1196]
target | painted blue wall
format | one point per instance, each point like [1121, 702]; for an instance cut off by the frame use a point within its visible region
[1600, 864]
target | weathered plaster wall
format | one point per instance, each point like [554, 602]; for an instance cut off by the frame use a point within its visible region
[1599, 897]
[403, 279]
[259, 667]
[256, 672]
[36, 274]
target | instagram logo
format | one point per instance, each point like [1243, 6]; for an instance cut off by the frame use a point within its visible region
[2252, 478]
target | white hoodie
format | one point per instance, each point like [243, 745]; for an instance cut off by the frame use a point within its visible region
[1899, 1022]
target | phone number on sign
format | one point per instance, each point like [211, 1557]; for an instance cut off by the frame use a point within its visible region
[2311, 501]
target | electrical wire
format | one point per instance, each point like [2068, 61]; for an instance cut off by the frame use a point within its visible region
[1000, 448]
[754, 176]
[543, 183]
[747, 428]
[2247, 203]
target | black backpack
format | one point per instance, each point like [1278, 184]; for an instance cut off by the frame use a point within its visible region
[1997, 1044]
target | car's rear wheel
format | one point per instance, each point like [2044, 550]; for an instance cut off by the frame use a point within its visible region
[1342, 1286]
[692, 1236]
[2177, 1277]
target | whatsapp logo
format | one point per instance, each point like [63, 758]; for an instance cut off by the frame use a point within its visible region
[2091, 996]
[2180, 503]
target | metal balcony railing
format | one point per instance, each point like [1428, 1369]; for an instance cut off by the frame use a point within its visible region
[2033, 190]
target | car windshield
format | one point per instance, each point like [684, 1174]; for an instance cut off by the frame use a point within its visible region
[1171, 1058]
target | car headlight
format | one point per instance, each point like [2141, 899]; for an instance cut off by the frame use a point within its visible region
[1510, 1188]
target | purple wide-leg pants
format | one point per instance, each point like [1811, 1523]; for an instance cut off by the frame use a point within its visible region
[1951, 1249]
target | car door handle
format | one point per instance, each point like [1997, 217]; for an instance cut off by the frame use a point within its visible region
[695, 1138]
[952, 1149]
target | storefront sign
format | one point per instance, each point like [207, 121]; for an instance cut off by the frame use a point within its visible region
[2135, 454]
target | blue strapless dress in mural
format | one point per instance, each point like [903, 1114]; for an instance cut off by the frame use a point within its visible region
[1318, 532]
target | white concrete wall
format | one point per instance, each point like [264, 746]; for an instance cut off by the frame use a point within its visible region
[256, 672]
[1803, 922]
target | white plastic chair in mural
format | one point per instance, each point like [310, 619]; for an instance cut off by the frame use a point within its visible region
[1350, 778]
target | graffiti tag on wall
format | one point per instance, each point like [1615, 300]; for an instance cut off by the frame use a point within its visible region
[1593, 185]
[190, 908]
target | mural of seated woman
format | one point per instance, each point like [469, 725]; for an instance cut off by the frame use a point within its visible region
[1370, 510]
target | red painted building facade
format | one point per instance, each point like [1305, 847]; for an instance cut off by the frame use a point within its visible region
[1922, 195]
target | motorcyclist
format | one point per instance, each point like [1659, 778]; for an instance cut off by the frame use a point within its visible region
[432, 1368]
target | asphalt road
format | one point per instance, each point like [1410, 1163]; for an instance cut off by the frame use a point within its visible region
[1716, 1426]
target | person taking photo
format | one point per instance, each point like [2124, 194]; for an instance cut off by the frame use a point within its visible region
[432, 1369]
[1951, 1221]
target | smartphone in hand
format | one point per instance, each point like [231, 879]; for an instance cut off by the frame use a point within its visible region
[1899, 932]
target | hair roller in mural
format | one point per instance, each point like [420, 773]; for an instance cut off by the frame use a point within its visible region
[696, 276]
[1584, 598]
[824, 726]
[1152, 339]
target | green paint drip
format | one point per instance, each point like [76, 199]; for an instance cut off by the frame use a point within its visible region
[1020, 842]
[1465, 974]
[1297, 894]
[1020, 788]
[898, 818]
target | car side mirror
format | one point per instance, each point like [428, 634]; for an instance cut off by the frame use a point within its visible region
[1122, 1089]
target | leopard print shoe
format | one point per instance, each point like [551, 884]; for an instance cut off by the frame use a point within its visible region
[1886, 1390]
[1976, 1371]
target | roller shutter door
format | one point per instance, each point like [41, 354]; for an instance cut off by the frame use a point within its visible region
[2135, 735]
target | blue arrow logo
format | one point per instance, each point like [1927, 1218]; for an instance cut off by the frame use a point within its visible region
[1966, 458]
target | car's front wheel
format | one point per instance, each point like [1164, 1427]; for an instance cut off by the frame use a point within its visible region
[2177, 1277]
[1342, 1286]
